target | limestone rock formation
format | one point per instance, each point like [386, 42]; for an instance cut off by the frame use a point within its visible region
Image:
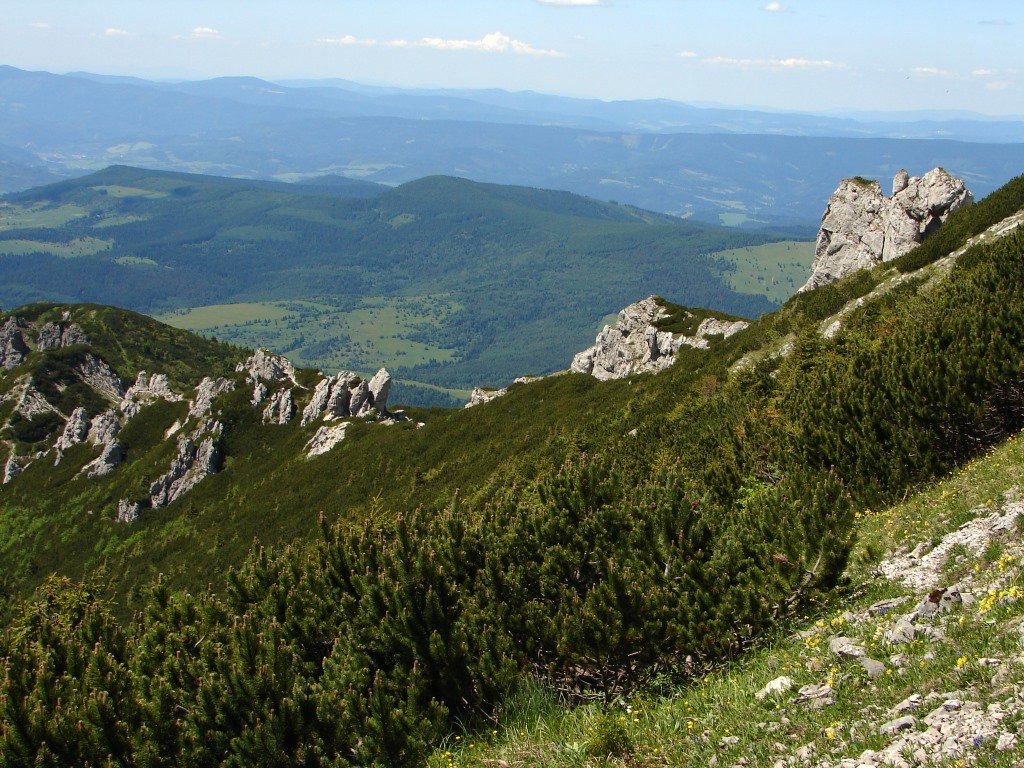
[635, 345]
[345, 395]
[108, 460]
[75, 430]
[861, 227]
[103, 428]
[380, 388]
[198, 458]
[53, 336]
[127, 511]
[264, 365]
[325, 439]
[12, 469]
[101, 377]
[280, 409]
[479, 396]
[207, 390]
[12, 343]
[145, 390]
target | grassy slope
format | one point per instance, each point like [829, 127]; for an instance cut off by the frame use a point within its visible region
[685, 726]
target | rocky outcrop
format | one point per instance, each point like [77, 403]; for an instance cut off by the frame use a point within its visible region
[861, 227]
[53, 336]
[108, 460]
[479, 396]
[101, 377]
[635, 345]
[325, 439]
[264, 365]
[280, 409]
[75, 430]
[198, 457]
[145, 390]
[12, 343]
[12, 468]
[207, 390]
[127, 511]
[103, 428]
[344, 394]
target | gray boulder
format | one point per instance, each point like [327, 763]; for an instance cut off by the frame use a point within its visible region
[380, 388]
[206, 392]
[264, 365]
[75, 430]
[53, 336]
[12, 469]
[127, 511]
[103, 428]
[101, 377]
[280, 409]
[108, 460]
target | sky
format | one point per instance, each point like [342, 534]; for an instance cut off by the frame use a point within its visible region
[807, 55]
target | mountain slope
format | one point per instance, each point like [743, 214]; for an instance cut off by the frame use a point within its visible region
[592, 538]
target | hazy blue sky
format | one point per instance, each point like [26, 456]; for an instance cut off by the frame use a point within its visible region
[798, 54]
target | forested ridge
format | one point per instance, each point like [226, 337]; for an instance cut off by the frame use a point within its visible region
[658, 526]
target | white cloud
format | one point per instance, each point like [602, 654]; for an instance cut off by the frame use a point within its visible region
[574, 3]
[997, 23]
[787, 63]
[39, 24]
[204, 33]
[115, 32]
[687, 54]
[982, 72]
[495, 42]
[775, 7]
[936, 71]
[998, 85]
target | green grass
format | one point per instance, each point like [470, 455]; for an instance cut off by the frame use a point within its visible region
[120, 191]
[38, 215]
[362, 335]
[773, 269]
[81, 246]
[685, 724]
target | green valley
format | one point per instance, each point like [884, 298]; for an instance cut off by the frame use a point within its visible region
[452, 283]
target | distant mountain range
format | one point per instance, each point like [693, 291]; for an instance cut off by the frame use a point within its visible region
[731, 166]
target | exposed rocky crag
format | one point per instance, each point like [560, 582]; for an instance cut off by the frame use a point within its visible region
[198, 457]
[345, 394]
[264, 365]
[861, 227]
[101, 377]
[480, 395]
[325, 438]
[636, 345]
[147, 389]
[207, 390]
[280, 409]
[54, 336]
[12, 343]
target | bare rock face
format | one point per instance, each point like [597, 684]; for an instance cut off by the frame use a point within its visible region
[280, 409]
[127, 511]
[12, 343]
[635, 345]
[479, 396]
[343, 395]
[103, 428]
[53, 336]
[264, 365]
[101, 377]
[861, 227]
[325, 439]
[11, 470]
[198, 458]
[75, 430]
[380, 387]
[146, 390]
[207, 390]
[108, 460]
